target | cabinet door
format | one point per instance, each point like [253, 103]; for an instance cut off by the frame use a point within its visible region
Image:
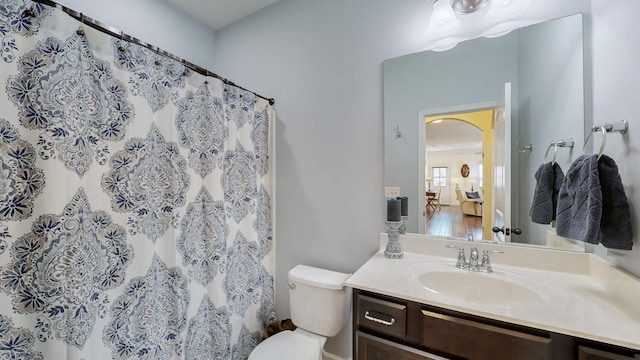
[369, 347]
[474, 340]
[586, 353]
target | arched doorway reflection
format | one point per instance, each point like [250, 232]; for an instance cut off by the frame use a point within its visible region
[458, 173]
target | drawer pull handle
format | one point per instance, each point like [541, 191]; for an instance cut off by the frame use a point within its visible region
[379, 321]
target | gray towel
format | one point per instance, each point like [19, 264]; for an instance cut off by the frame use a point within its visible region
[549, 178]
[592, 205]
[615, 224]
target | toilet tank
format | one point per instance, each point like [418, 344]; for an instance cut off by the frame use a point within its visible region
[318, 299]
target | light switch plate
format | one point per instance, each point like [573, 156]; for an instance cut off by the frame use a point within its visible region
[391, 191]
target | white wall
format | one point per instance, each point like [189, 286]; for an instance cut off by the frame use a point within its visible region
[155, 22]
[454, 162]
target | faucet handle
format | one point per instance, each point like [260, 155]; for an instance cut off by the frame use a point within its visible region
[486, 262]
[462, 260]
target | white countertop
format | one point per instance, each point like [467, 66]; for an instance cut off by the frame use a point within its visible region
[586, 296]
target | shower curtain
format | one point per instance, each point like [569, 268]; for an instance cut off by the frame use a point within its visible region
[135, 216]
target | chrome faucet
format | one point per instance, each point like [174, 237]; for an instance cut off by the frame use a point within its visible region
[473, 265]
[473, 259]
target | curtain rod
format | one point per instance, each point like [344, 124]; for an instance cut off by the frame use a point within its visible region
[122, 36]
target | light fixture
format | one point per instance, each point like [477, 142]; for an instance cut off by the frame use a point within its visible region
[444, 44]
[501, 10]
[429, 180]
[443, 20]
[468, 6]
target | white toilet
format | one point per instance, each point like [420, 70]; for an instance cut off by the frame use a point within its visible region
[319, 307]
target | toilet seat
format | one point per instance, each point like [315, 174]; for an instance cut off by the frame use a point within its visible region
[288, 345]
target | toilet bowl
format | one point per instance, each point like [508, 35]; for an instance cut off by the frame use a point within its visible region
[298, 345]
[319, 308]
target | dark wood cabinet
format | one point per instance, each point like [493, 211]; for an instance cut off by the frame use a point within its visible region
[374, 348]
[476, 340]
[390, 328]
[587, 353]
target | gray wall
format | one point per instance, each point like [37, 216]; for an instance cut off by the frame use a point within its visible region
[155, 22]
[616, 85]
[321, 60]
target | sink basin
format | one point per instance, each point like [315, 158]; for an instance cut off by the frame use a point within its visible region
[499, 289]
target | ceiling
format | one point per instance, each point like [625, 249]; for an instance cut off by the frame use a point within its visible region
[219, 13]
[453, 137]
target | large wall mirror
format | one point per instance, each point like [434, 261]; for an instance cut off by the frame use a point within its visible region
[441, 122]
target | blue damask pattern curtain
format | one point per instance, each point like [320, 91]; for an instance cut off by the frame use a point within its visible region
[135, 217]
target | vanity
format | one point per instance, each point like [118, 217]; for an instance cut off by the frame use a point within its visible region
[535, 304]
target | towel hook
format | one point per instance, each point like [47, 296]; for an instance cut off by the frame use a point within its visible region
[398, 132]
[565, 143]
[621, 127]
[525, 147]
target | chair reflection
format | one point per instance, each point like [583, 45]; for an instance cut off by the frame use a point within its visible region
[433, 199]
[469, 206]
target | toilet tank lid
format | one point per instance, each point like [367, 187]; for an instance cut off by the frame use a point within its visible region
[318, 277]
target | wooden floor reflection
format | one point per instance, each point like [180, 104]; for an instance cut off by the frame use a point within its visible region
[449, 221]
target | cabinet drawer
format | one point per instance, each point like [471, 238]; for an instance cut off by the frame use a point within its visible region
[587, 353]
[369, 347]
[474, 340]
[384, 317]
